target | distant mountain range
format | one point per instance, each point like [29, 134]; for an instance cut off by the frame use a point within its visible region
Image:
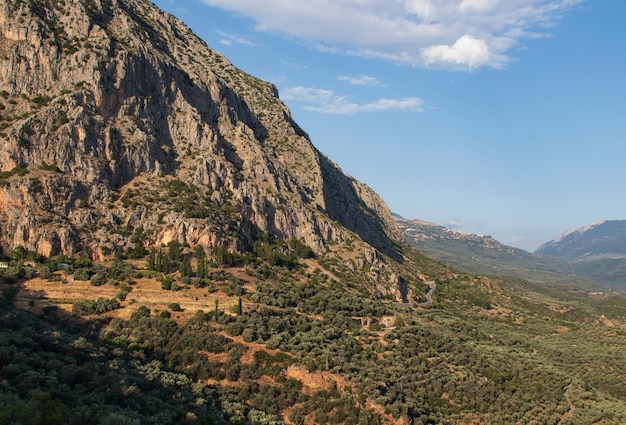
[583, 256]
[597, 251]
[601, 239]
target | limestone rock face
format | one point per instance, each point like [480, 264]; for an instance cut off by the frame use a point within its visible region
[114, 117]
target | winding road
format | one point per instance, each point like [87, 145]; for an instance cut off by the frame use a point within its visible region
[429, 294]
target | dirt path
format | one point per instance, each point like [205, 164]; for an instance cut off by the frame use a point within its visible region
[570, 406]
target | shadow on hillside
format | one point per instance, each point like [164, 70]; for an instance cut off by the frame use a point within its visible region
[57, 368]
[344, 205]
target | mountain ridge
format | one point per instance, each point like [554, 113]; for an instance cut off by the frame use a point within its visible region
[175, 250]
[127, 90]
[578, 263]
[604, 237]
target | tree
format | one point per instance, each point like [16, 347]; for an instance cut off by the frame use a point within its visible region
[185, 266]
[152, 259]
[165, 264]
[18, 253]
[201, 270]
[174, 253]
[159, 261]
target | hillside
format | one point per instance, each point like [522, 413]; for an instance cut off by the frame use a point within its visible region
[603, 238]
[176, 251]
[121, 129]
[267, 344]
[482, 254]
[597, 251]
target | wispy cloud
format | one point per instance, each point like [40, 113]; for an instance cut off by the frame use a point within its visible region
[327, 101]
[362, 80]
[455, 223]
[294, 65]
[516, 241]
[230, 39]
[449, 34]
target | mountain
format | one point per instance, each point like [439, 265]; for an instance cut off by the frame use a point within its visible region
[482, 254]
[597, 251]
[175, 250]
[593, 256]
[603, 238]
[118, 122]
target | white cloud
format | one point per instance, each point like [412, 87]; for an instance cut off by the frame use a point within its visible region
[467, 51]
[230, 39]
[449, 34]
[327, 101]
[467, 6]
[362, 80]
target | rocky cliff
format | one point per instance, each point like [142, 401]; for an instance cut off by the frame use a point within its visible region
[115, 117]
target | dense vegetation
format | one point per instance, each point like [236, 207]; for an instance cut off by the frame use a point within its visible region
[477, 353]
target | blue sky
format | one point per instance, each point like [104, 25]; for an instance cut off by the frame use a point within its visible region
[499, 117]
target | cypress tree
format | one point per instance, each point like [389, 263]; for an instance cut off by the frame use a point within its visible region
[200, 263]
[152, 259]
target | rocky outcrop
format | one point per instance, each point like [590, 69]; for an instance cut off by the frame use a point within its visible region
[116, 117]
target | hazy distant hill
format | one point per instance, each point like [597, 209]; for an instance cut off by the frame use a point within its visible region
[591, 255]
[597, 250]
[603, 238]
[475, 253]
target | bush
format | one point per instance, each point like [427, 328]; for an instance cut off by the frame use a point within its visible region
[99, 306]
[83, 274]
[248, 335]
[174, 307]
[98, 279]
[167, 283]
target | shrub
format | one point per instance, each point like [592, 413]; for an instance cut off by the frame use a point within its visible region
[83, 274]
[98, 279]
[167, 283]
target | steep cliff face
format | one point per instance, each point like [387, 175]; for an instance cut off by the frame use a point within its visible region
[114, 116]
